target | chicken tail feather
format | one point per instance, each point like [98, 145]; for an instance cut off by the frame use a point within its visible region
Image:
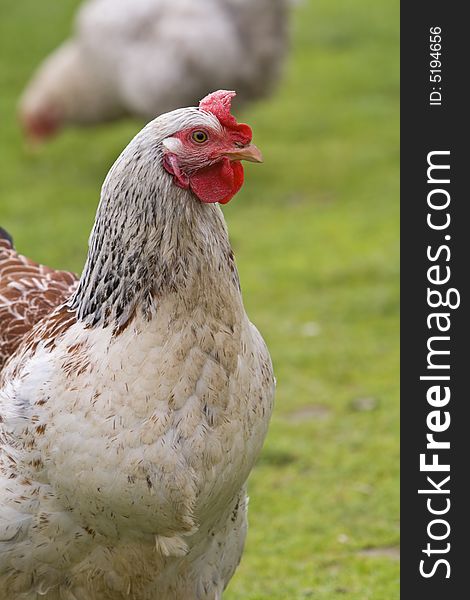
[4, 235]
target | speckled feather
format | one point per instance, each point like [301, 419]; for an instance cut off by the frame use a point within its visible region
[132, 415]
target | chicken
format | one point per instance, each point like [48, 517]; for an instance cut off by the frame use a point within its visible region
[28, 292]
[132, 413]
[143, 57]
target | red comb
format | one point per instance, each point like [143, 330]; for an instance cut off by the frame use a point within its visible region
[219, 104]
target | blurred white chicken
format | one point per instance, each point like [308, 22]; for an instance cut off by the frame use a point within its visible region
[143, 57]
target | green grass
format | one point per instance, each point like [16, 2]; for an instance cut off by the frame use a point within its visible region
[315, 231]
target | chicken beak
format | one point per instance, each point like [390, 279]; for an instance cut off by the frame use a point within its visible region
[250, 153]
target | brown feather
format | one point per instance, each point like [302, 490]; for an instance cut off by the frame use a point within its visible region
[28, 293]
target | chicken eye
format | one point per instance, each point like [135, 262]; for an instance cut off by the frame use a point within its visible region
[199, 137]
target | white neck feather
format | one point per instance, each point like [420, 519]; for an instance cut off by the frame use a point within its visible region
[151, 239]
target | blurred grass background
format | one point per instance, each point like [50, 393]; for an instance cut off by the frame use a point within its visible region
[315, 231]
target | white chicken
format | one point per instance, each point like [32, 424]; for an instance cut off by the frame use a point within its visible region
[143, 57]
[132, 414]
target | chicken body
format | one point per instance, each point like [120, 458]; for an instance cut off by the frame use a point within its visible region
[132, 414]
[143, 57]
[119, 492]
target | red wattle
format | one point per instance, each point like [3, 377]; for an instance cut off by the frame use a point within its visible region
[219, 182]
